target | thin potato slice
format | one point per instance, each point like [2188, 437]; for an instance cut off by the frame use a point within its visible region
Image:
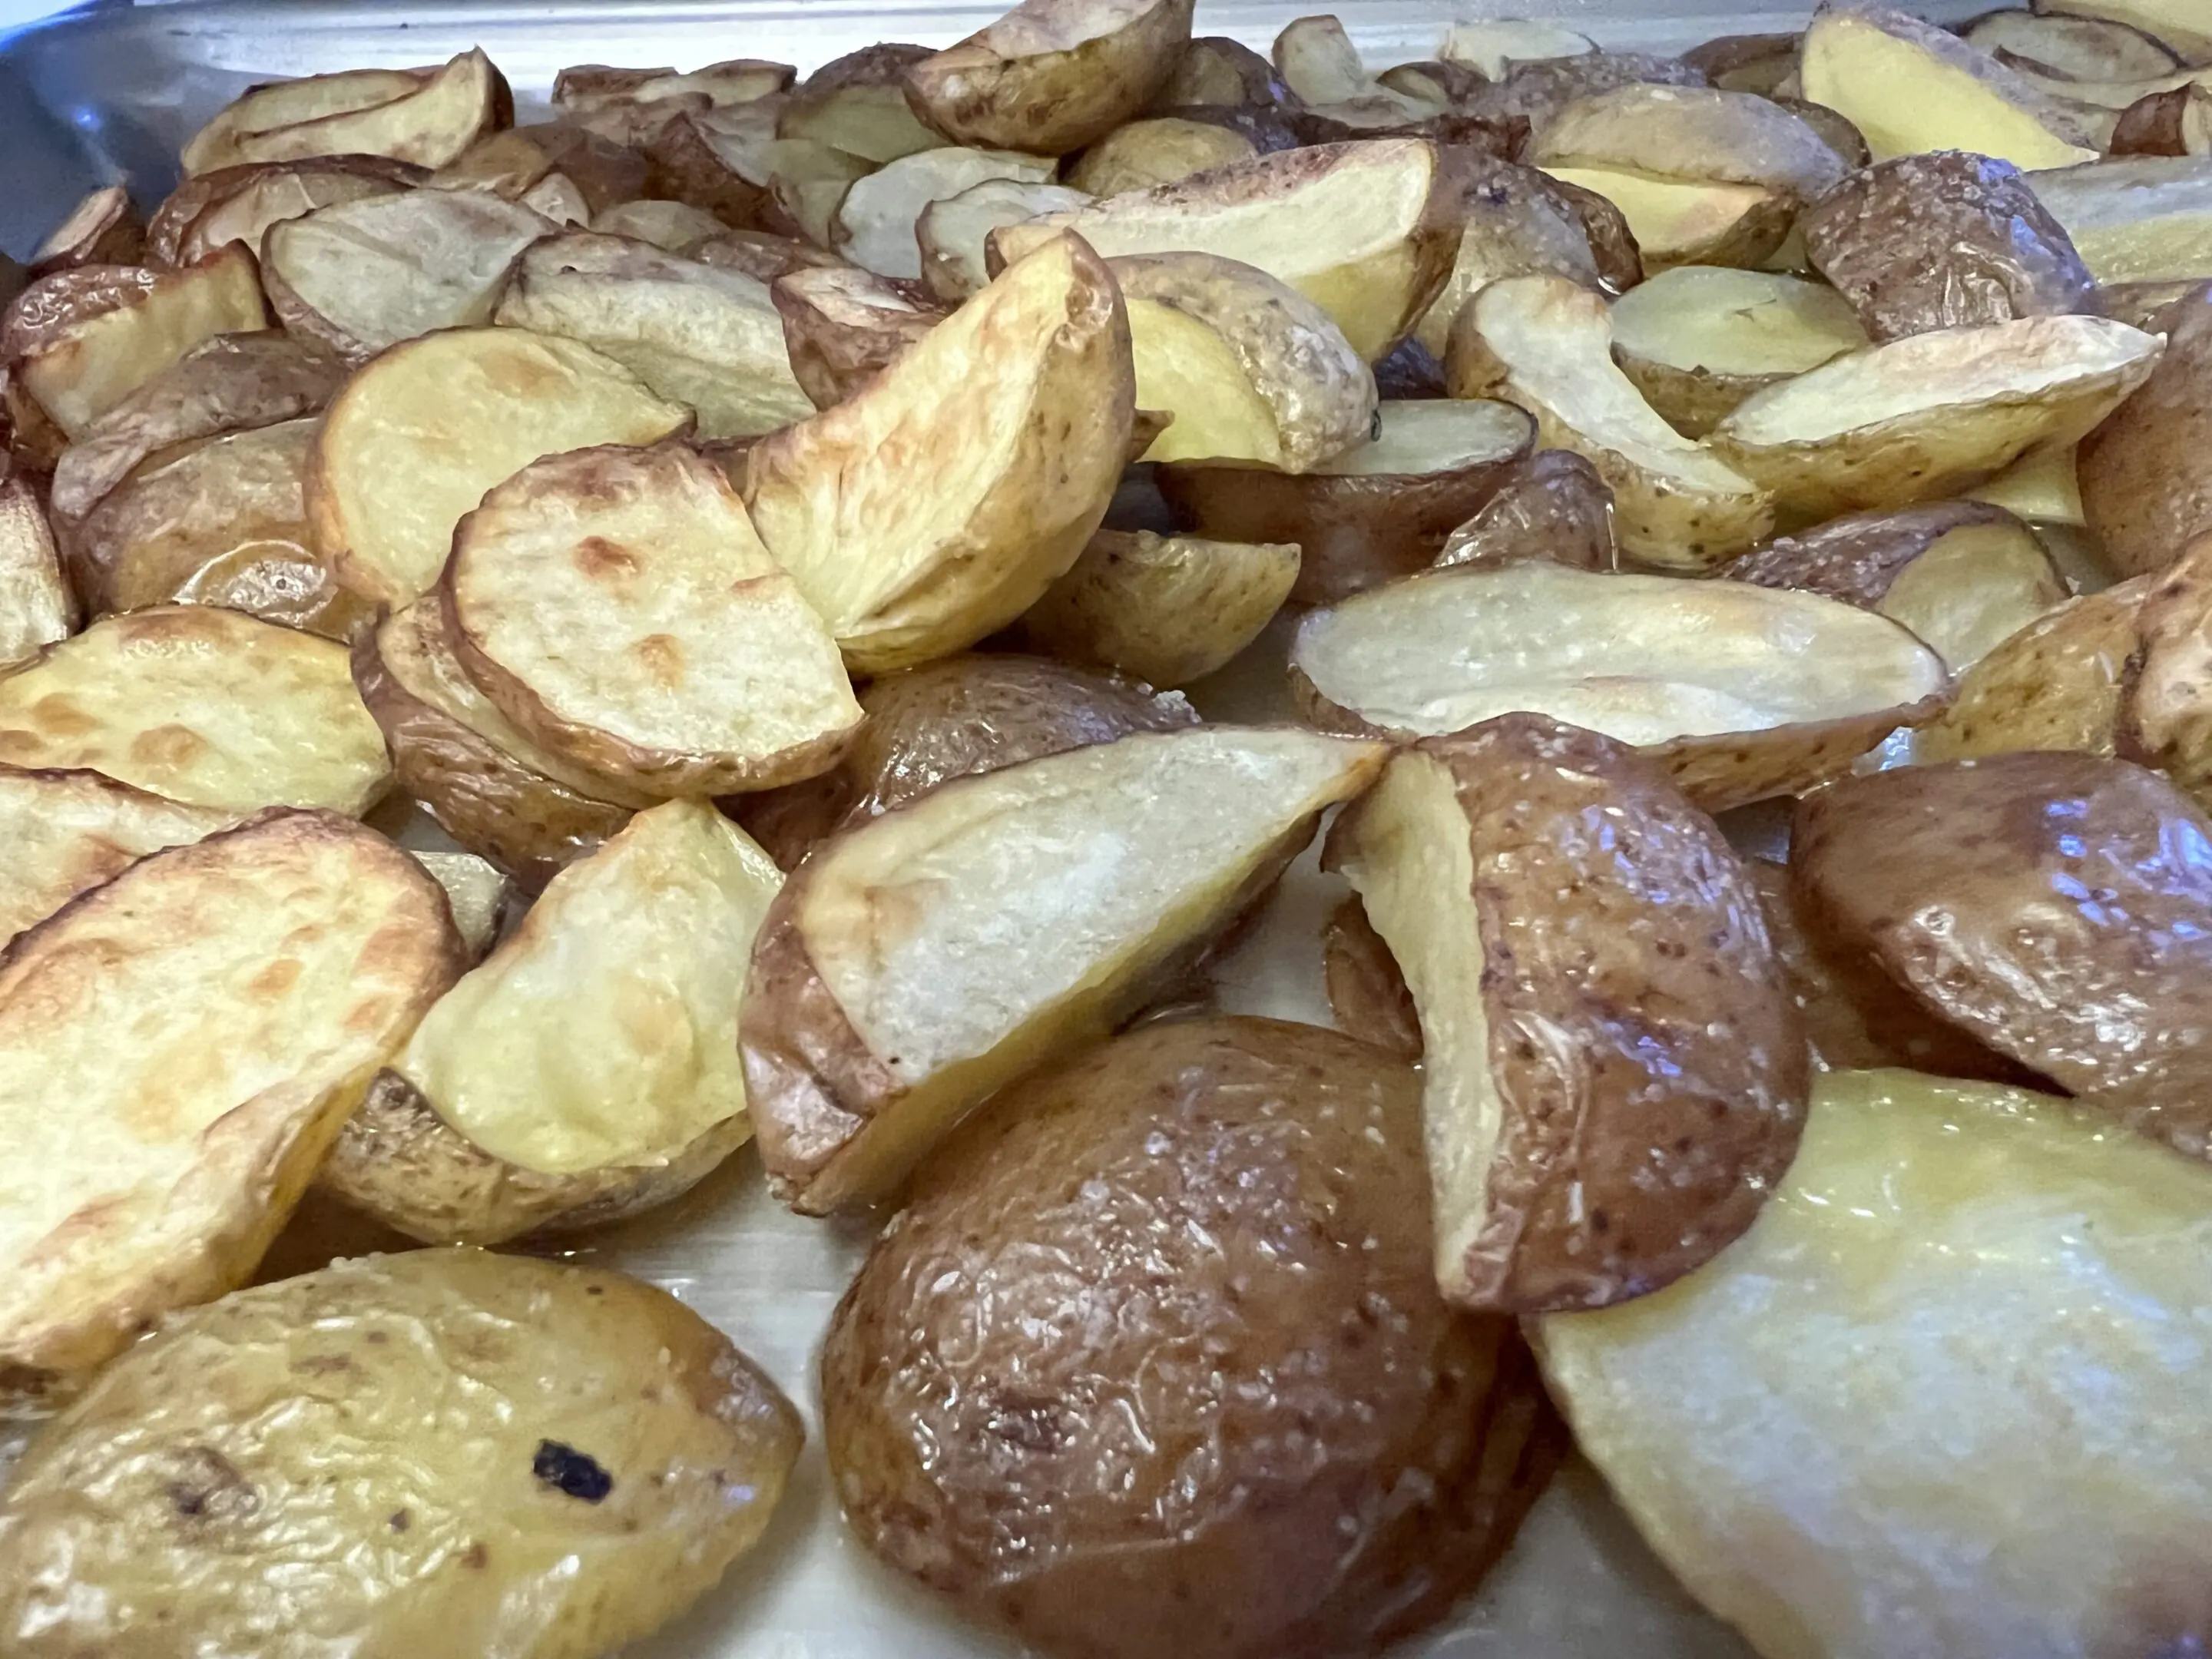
[953, 231]
[1168, 609]
[429, 123]
[68, 831]
[915, 963]
[1546, 344]
[616, 606]
[2060, 682]
[694, 333]
[38, 605]
[1840, 1435]
[1698, 340]
[1576, 1160]
[940, 504]
[268, 1471]
[85, 369]
[287, 959]
[1740, 692]
[874, 225]
[1361, 229]
[205, 706]
[1928, 415]
[421, 431]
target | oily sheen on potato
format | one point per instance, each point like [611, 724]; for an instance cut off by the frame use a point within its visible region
[178, 1047]
[1615, 1074]
[919, 960]
[444, 1451]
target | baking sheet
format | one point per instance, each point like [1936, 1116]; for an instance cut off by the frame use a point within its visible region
[112, 96]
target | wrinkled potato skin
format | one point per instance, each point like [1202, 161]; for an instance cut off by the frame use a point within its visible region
[2145, 473]
[1128, 1488]
[1553, 506]
[344, 1462]
[949, 719]
[1166, 609]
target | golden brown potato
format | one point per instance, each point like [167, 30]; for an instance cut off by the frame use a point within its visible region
[39, 604]
[66, 831]
[1303, 1363]
[1577, 1160]
[2057, 907]
[2145, 473]
[1167, 609]
[178, 1047]
[428, 117]
[843, 325]
[953, 718]
[2060, 682]
[1379, 509]
[1698, 340]
[918, 960]
[1552, 505]
[444, 1451]
[1366, 992]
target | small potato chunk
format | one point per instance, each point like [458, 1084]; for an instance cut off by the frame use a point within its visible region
[421, 431]
[66, 831]
[1925, 416]
[1740, 692]
[2146, 474]
[1698, 340]
[1166, 609]
[1250, 369]
[1051, 75]
[204, 705]
[953, 232]
[441, 1452]
[1963, 576]
[843, 326]
[2057, 907]
[915, 963]
[2060, 682]
[617, 606]
[1577, 1160]
[287, 959]
[1552, 505]
[1546, 344]
[428, 117]
[938, 505]
[1197, 1472]
[38, 605]
[1378, 509]
[1840, 1435]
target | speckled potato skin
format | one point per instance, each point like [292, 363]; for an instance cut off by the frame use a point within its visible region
[349, 1463]
[2062, 682]
[1264, 1436]
[2145, 473]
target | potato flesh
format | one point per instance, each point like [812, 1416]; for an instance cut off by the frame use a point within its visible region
[67, 832]
[1671, 218]
[952, 231]
[1733, 322]
[1972, 590]
[1840, 1434]
[605, 1031]
[875, 226]
[1432, 434]
[1187, 368]
[286, 103]
[36, 605]
[2145, 221]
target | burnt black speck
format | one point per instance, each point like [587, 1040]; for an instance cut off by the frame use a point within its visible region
[572, 1472]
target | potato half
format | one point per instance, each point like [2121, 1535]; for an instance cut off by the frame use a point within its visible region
[287, 959]
[1839, 1435]
[423, 429]
[1578, 1158]
[1304, 1347]
[66, 831]
[938, 505]
[2146, 474]
[1166, 609]
[1361, 229]
[1740, 692]
[917, 962]
[445, 1451]
[1930, 415]
[38, 604]
[1698, 340]
[204, 705]
[1546, 344]
[616, 605]
[1378, 509]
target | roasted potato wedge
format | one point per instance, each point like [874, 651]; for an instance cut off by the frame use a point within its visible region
[1286, 1154]
[1535, 91]
[420, 432]
[139, 1185]
[762, 255]
[487, 785]
[953, 231]
[1698, 340]
[911, 550]
[2041, 487]
[1576, 1163]
[1167, 609]
[2146, 474]
[67, 832]
[843, 325]
[102, 230]
[1379, 509]
[874, 225]
[1363, 230]
[275, 105]
[862, 1049]
[583, 87]
[206, 706]
[2054, 906]
[617, 606]
[38, 603]
[2069, 48]
[2174, 24]
[2060, 682]
[1517, 223]
[1157, 151]
[1051, 75]
[672, 227]
[1367, 994]
[1740, 692]
[1494, 46]
[1550, 505]
[239, 204]
[1963, 576]
[1747, 63]
[2176, 122]
[951, 719]
[1839, 1434]
[857, 105]
[1546, 345]
[271, 1466]
[1928, 415]
[428, 117]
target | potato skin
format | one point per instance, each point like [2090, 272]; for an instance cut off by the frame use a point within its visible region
[1857, 557]
[2062, 682]
[397, 1454]
[1552, 505]
[1267, 1437]
[1366, 992]
[2145, 473]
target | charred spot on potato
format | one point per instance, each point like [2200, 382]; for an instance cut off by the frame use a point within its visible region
[566, 1469]
[208, 1487]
